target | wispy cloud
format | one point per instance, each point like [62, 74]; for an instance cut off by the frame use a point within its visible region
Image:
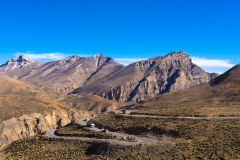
[213, 65]
[204, 62]
[127, 61]
[43, 56]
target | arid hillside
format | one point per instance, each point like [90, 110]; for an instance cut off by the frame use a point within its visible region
[26, 110]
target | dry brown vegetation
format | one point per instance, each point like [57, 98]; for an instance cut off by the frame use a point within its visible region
[75, 130]
[178, 139]
[192, 139]
[40, 147]
[211, 139]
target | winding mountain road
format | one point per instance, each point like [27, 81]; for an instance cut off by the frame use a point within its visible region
[137, 140]
[179, 117]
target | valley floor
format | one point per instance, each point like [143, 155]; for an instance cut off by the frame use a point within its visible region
[178, 138]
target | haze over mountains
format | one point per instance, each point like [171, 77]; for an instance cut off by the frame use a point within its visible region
[103, 76]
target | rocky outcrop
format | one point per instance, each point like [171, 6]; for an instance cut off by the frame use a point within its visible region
[35, 123]
[149, 78]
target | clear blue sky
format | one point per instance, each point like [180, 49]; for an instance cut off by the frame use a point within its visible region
[121, 29]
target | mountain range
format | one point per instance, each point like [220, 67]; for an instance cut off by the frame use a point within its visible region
[67, 74]
[103, 76]
[37, 96]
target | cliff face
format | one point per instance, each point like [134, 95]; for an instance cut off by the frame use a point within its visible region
[149, 78]
[34, 123]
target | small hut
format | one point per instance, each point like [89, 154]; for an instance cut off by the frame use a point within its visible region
[124, 111]
[90, 124]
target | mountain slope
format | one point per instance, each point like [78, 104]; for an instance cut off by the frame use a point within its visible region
[219, 97]
[64, 75]
[10, 85]
[26, 110]
[231, 76]
[149, 78]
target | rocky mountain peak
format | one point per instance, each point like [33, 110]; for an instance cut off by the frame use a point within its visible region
[22, 59]
[22, 56]
[74, 57]
[176, 58]
[69, 59]
[178, 55]
[16, 63]
[98, 55]
[101, 59]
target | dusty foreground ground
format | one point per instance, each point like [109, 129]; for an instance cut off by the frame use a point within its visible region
[177, 139]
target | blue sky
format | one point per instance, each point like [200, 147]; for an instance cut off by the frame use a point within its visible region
[127, 30]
